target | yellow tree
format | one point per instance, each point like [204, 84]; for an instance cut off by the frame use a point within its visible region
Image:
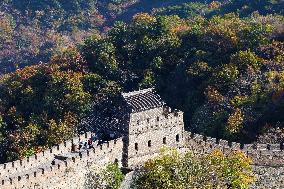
[172, 170]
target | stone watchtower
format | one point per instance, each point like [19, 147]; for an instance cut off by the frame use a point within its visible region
[151, 126]
[145, 123]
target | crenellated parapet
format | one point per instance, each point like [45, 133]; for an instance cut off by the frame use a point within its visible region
[40, 158]
[262, 154]
[155, 120]
[43, 166]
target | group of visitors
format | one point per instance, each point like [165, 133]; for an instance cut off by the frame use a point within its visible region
[86, 144]
[91, 142]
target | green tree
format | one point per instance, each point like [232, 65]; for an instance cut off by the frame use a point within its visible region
[108, 177]
[246, 59]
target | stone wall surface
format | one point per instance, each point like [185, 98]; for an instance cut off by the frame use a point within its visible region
[147, 137]
[269, 177]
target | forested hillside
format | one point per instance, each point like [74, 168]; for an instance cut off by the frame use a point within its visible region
[33, 31]
[224, 71]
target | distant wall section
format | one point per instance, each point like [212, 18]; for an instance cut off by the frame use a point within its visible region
[268, 158]
[262, 154]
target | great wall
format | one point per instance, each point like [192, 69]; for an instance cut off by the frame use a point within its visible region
[148, 130]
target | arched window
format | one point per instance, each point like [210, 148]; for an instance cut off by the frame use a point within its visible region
[149, 143]
[158, 119]
[136, 146]
[148, 120]
[164, 140]
[177, 138]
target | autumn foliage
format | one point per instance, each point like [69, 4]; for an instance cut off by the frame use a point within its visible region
[173, 170]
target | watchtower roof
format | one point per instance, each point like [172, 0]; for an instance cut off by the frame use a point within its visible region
[143, 100]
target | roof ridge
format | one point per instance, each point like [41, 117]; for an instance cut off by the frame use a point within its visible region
[143, 91]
